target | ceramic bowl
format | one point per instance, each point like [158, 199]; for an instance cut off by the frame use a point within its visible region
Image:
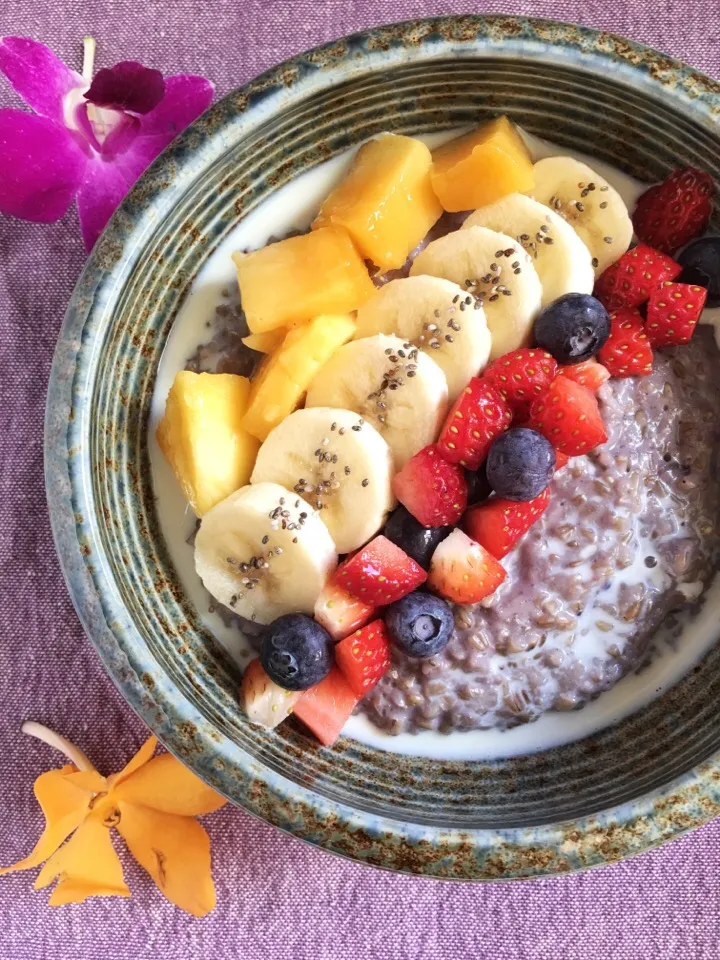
[648, 778]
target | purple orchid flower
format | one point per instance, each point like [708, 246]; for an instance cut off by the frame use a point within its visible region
[88, 139]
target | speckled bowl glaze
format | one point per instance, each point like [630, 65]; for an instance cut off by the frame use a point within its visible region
[615, 794]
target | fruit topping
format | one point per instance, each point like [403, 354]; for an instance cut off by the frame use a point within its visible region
[325, 708]
[417, 540]
[672, 213]
[263, 701]
[498, 524]
[380, 573]
[520, 376]
[700, 263]
[463, 571]
[432, 489]
[561, 460]
[339, 611]
[265, 342]
[364, 656]
[589, 373]
[477, 484]
[569, 416]
[572, 328]
[296, 652]
[630, 281]
[628, 352]
[420, 624]
[478, 416]
[673, 312]
[521, 464]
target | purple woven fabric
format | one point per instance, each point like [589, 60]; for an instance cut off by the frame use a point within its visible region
[277, 898]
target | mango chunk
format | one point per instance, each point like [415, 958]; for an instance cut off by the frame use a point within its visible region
[265, 342]
[294, 280]
[203, 439]
[386, 202]
[482, 166]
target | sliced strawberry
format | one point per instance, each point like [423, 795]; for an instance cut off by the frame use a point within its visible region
[569, 416]
[627, 351]
[433, 490]
[263, 700]
[325, 707]
[561, 460]
[364, 657]
[477, 417]
[520, 376]
[589, 373]
[463, 571]
[630, 281]
[380, 573]
[673, 312]
[339, 611]
[498, 524]
[670, 214]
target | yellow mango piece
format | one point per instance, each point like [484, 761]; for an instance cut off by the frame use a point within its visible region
[482, 166]
[166, 785]
[386, 201]
[203, 439]
[284, 377]
[265, 342]
[293, 280]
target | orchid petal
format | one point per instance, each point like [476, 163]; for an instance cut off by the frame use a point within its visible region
[166, 785]
[41, 78]
[101, 192]
[127, 86]
[186, 97]
[143, 756]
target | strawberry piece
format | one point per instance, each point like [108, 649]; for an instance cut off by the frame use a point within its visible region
[262, 699]
[569, 416]
[326, 707]
[498, 524]
[673, 312]
[478, 416]
[432, 489]
[339, 611]
[520, 376]
[364, 657]
[630, 280]
[380, 573]
[561, 460]
[671, 213]
[589, 373]
[627, 351]
[463, 571]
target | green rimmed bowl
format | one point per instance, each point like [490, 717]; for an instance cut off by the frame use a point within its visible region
[603, 798]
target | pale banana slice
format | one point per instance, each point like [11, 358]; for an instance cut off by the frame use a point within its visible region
[496, 269]
[338, 464]
[439, 317]
[562, 260]
[264, 552]
[390, 384]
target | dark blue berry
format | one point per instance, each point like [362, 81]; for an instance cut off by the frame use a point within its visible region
[521, 464]
[420, 624]
[296, 652]
[701, 266]
[572, 328]
[410, 535]
[478, 485]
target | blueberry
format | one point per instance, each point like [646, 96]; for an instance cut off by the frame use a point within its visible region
[478, 486]
[701, 266]
[296, 652]
[521, 464]
[410, 535]
[572, 328]
[420, 624]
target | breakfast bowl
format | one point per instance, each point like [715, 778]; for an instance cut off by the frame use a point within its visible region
[621, 783]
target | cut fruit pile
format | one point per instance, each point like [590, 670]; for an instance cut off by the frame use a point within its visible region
[396, 443]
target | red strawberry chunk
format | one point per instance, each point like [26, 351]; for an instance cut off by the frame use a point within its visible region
[433, 490]
[673, 312]
[326, 707]
[380, 573]
[364, 657]
[569, 416]
[589, 373]
[262, 699]
[463, 571]
[672, 213]
[478, 416]
[339, 611]
[520, 376]
[630, 280]
[498, 524]
[561, 460]
[627, 351]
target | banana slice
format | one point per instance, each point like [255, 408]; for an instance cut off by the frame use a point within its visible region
[497, 270]
[263, 552]
[338, 464]
[390, 384]
[593, 208]
[439, 317]
[562, 260]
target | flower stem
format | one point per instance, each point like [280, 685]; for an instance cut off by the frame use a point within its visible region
[52, 739]
[89, 47]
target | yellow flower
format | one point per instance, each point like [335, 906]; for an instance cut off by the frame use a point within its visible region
[151, 803]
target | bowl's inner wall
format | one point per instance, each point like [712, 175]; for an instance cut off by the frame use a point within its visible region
[616, 123]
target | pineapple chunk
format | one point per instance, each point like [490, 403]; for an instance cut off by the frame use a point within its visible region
[482, 166]
[265, 342]
[203, 439]
[294, 280]
[285, 376]
[386, 202]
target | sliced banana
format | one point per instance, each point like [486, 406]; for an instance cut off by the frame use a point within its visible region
[264, 552]
[593, 208]
[436, 315]
[562, 260]
[338, 464]
[390, 384]
[497, 270]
